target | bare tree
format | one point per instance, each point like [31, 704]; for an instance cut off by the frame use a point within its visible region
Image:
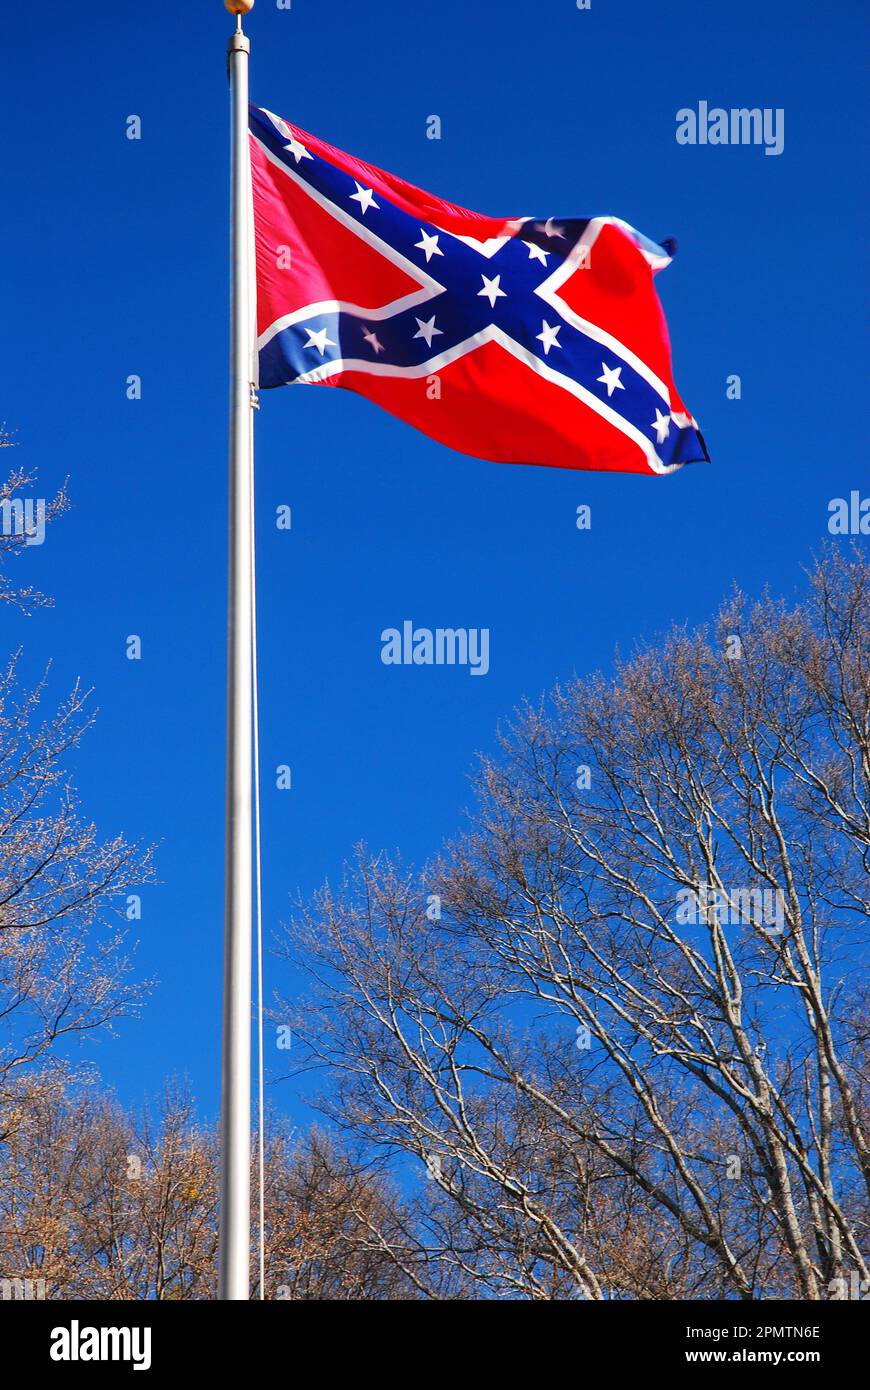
[335, 1229]
[619, 1024]
[22, 520]
[96, 1203]
[64, 968]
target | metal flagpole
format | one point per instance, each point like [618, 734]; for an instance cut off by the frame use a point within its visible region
[235, 1208]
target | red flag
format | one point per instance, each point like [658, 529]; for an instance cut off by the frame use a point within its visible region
[520, 340]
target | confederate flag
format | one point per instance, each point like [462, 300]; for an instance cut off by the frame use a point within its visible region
[515, 340]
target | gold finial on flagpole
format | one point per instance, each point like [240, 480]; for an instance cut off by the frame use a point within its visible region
[239, 7]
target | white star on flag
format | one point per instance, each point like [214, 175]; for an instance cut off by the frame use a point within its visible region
[492, 289]
[611, 379]
[318, 340]
[549, 337]
[662, 426]
[373, 340]
[429, 245]
[364, 197]
[297, 149]
[537, 253]
[428, 330]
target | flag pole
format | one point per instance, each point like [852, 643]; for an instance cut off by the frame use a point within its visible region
[235, 1195]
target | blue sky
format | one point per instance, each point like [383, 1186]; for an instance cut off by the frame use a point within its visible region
[115, 263]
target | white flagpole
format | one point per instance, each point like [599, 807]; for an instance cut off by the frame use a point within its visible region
[235, 1203]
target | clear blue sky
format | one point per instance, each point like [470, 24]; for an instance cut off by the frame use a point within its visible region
[115, 263]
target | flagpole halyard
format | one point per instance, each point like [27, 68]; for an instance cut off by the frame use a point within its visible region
[235, 1198]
